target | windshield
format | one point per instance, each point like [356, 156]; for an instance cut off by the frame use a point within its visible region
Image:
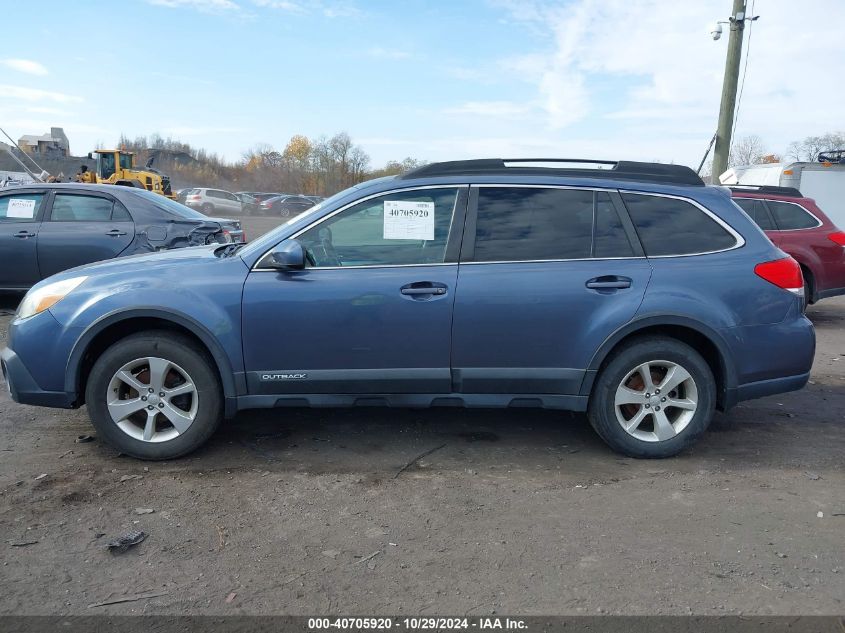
[170, 206]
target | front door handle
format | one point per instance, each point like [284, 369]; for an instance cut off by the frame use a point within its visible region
[423, 288]
[115, 233]
[24, 234]
[608, 282]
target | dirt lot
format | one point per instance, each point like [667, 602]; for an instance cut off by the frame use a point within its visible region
[521, 512]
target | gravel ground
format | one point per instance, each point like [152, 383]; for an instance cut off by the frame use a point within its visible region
[514, 511]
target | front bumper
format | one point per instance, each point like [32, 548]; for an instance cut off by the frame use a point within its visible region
[24, 389]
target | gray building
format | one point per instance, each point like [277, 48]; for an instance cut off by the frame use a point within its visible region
[51, 145]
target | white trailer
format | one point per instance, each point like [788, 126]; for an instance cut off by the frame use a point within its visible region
[824, 182]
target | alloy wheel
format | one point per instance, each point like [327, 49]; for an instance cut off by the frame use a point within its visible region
[152, 399]
[656, 401]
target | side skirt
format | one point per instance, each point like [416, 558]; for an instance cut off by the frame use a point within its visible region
[416, 400]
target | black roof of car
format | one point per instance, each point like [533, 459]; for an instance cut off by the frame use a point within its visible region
[604, 169]
[790, 192]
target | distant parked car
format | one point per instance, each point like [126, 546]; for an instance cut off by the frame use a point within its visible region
[48, 228]
[211, 201]
[800, 228]
[286, 206]
[315, 199]
[249, 204]
[261, 196]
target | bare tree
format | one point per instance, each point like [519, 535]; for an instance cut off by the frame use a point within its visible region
[809, 148]
[748, 150]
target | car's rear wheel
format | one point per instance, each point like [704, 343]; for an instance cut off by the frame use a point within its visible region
[653, 399]
[284, 212]
[154, 395]
[207, 208]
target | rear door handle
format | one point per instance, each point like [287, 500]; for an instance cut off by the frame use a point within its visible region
[609, 282]
[115, 233]
[423, 288]
[24, 234]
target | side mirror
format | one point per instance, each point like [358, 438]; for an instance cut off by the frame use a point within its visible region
[289, 255]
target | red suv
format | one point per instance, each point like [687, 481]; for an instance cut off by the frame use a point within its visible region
[798, 227]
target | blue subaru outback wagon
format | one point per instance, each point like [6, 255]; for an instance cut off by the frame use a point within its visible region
[630, 291]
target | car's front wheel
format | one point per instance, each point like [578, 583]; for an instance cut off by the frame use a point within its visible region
[154, 395]
[653, 399]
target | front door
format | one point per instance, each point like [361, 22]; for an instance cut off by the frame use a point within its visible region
[20, 218]
[372, 311]
[82, 228]
[549, 275]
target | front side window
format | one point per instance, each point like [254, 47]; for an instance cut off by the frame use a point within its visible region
[69, 208]
[671, 226]
[105, 162]
[401, 228]
[22, 207]
[790, 217]
[526, 224]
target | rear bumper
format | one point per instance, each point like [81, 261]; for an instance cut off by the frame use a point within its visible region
[24, 389]
[770, 387]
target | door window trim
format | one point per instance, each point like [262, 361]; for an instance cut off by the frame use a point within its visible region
[740, 240]
[452, 241]
[766, 202]
[468, 247]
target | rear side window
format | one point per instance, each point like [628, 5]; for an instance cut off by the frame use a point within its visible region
[669, 226]
[790, 216]
[22, 207]
[521, 223]
[757, 211]
[68, 208]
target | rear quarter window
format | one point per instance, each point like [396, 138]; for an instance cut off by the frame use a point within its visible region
[671, 226]
[790, 216]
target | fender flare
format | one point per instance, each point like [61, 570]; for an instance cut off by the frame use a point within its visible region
[231, 387]
[632, 327]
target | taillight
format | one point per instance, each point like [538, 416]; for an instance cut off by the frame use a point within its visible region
[838, 238]
[784, 273]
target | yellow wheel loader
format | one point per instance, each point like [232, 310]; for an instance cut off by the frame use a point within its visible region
[117, 167]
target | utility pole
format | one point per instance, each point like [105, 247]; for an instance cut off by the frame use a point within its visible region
[729, 86]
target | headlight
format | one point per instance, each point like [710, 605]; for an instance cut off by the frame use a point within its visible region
[47, 296]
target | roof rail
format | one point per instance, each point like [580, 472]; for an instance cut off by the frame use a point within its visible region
[791, 192]
[622, 169]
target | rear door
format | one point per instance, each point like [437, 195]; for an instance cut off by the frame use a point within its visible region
[546, 275]
[20, 218]
[81, 228]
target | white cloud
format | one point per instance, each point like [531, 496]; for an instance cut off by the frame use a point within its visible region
[282, 5]
[25, 66]
[200, 5]
[35, 94]
[652, 61]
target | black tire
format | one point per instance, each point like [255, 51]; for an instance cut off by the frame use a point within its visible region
[285, 213]
[177, 349]
[207, 208]
[602, 409]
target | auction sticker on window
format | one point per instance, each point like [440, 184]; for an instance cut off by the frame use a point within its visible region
[405, 220]
[20, 208]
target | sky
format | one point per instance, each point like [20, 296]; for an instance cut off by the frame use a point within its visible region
[434, 80]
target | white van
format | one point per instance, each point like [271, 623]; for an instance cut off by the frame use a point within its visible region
[824, 182]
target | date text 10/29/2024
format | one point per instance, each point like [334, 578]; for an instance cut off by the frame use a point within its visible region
[417, 624]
